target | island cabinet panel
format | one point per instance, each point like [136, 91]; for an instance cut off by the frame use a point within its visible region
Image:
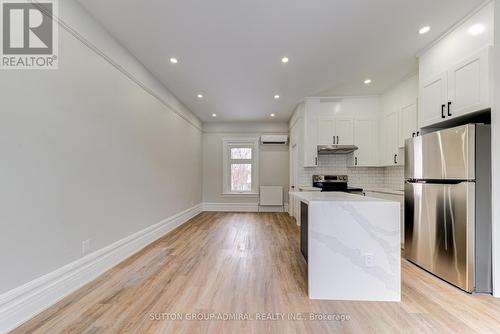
[353, 246]
[304, 217]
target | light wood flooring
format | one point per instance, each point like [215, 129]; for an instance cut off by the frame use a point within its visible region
[223, 263]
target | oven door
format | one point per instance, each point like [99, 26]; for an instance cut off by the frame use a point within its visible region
[439, 229]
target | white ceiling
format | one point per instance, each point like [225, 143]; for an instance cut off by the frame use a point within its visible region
[231, 50]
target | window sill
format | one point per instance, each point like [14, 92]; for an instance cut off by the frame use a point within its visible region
[245, 195]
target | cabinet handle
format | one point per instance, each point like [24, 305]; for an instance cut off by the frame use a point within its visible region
[395, 158]
[413, 135]
[442, 110]
[316, 161]
[418, 133]
[333, 140]
[338, 141]
[356, 161]
[449, 105]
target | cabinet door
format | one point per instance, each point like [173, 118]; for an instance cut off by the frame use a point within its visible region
[407, 123]
[433, 96]
[326, 130]
[344, 131]
[310, 137]
[365, 138]
[469, 85]
[391, 136]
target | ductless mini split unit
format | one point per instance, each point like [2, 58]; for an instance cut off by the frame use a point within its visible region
[274, 140]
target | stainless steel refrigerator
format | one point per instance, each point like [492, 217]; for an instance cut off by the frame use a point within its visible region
[448, 205]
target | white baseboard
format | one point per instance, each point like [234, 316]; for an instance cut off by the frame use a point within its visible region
[231, 207]
[22, 303]
[243, 207]
[271, 209]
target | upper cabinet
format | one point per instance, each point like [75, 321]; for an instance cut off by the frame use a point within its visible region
[310, 138]
[366, 139]
[456, 71]
[342, 121]
[469, 84]
[462, 89]
[390, 139]
[335, 130]
[433, 96]
[408, 122]
[398, 120]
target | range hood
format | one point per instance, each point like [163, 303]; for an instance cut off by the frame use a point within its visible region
[336, 149]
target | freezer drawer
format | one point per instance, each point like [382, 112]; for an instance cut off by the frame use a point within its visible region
[439, 230]
[442, 155]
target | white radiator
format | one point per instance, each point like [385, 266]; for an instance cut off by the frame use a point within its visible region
[271, 196]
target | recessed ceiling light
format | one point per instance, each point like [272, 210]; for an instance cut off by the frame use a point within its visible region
[272, 115]
[276, 96]
[214, 115]
[368, 81]
[174, 60]
[424, 30]
[284, 60]
[200, 96]
[476, 29]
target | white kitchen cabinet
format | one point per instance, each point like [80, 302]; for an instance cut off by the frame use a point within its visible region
[326, 130]
[390, 139]
[407, 123]
[330, 121]
[310, 139]
[469, 85]
[335, 130]
[365, 138]
[344, 131]
[462, 89]
[433, 96]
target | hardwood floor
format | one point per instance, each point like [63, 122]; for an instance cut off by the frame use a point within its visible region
[225, 263]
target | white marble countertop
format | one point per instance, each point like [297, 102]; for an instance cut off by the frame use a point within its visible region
[308, 197]
[309, 188]
[353, 246]
[386, 191]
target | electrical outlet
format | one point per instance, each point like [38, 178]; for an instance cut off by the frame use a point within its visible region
[369, 260]
[85, 247]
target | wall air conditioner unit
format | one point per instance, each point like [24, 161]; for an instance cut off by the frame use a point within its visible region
[274, 140]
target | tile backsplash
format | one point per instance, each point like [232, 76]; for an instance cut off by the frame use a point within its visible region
[364, 177]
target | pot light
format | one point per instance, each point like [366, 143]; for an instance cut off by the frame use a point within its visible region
[276, 97]
[284, 60]
[424, 30]
[476, 29]
[200, 96]
[272, 115]
[214, 115]
[174, 60]
[368, 81]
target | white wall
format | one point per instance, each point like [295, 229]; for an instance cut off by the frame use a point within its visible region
[88, 151]
[273, 159]
[402, 94]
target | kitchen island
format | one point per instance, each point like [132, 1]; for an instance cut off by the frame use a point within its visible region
[352, 246]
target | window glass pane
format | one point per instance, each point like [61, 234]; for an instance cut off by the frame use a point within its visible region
[241, 177]
[241, 153]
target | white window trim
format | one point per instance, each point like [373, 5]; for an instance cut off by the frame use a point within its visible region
[226, 172]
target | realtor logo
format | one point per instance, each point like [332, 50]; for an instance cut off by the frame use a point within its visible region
[29, 34]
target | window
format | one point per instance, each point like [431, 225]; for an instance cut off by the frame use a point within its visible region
[240, 166]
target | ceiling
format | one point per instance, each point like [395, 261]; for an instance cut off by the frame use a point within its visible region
[230, 50]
